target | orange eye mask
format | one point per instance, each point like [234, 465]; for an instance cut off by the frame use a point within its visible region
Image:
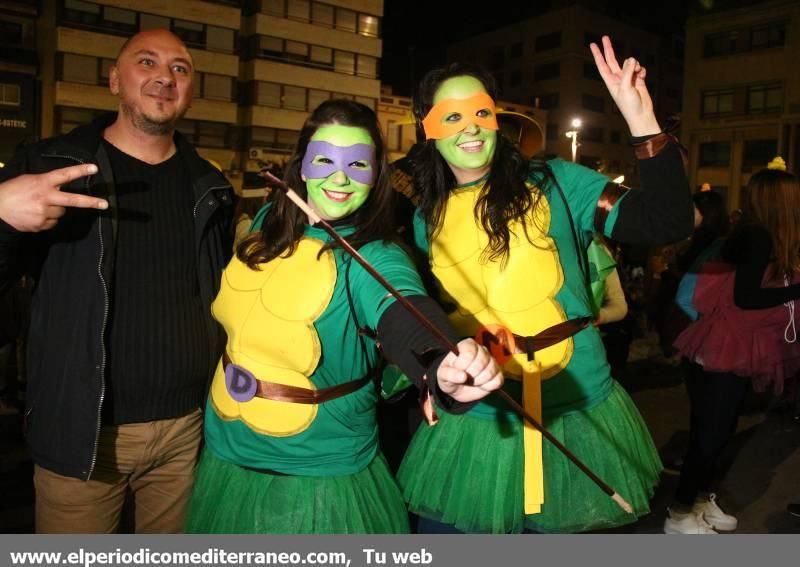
[468, 108]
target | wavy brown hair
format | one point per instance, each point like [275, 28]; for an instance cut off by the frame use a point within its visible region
[504, 199]
[773, 201]
[284, 224]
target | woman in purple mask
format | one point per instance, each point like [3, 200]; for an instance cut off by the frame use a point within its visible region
[291, 433]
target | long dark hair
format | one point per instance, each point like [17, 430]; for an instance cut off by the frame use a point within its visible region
[283, 226]
[715, 224]
[504, 198]
[773, 201]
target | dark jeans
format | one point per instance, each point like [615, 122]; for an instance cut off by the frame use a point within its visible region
[715, 400]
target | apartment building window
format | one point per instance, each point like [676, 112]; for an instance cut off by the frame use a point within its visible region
[549, 101]
[123, 20]
[217, 87]
[299, 53]
[68, 118]
[764, 98]
[10, 94]
[150, 22]
[593, 134]
[367, 66]
[723, 43]
[298, 10]
[615, 137]
[268, 94]
[294, 98]
[105, 70]
[368, 25]
[758, 153]
[322, 14]
[717, 102]
[192, 33]
[552, 131]
[346, 20]
[548, 41]
[220, 39]
[344, 62]
[516, 50]
[79, 69]
[715, 154]
[322, 55]
[204, 134]
[594, 103]
[546, 71]
[590, 72]
[11, 33]
[317, 97]
[273, 7]
[768, 35]
[274, 139]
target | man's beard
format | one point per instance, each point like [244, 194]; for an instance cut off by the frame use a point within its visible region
[149, 126]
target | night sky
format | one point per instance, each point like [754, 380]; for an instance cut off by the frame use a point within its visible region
[416, 32]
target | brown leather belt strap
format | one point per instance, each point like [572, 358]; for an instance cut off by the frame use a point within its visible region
[655, 145]
[298, 395]
[608, 198]
[552, 335]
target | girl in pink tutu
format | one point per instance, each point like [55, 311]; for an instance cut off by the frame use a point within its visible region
[745, 333]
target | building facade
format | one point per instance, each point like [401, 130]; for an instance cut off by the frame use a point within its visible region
[260, 67]
[545, 62]
[742, 94]
[19, 63]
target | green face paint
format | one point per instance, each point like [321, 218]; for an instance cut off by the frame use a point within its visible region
[468, 153]
[338, 195]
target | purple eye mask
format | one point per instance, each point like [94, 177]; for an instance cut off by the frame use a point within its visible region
[341, 157]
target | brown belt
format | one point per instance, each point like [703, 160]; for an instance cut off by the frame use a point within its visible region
[298, 395]
[551, 335]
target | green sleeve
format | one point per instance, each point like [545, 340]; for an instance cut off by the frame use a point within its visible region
[370, 297]
[421, 234]
[582, 188]
[258, 220]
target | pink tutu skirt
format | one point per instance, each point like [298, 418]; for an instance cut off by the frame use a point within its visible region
[756, 343]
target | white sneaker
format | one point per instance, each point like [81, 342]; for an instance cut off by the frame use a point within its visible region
[687, 523]
[714, 515]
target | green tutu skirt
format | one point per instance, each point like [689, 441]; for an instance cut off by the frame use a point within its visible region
[228, 499]
[468, 472]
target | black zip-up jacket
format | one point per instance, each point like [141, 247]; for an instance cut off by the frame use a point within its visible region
[73, 266]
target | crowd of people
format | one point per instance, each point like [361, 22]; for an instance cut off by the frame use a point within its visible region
[193, 370]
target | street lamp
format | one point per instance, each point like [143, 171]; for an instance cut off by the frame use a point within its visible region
[573, 135]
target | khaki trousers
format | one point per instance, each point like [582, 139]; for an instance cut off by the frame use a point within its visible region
[143, 474]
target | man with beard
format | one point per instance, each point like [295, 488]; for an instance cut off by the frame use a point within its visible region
[127, 260]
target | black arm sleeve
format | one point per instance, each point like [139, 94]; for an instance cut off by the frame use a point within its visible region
[414, 349]
[750, 249]
[661, 211]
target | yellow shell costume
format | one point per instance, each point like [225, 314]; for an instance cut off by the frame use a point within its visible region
[270, 314]
[518, 294]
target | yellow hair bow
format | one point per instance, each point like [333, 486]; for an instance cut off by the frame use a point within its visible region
[777, 163]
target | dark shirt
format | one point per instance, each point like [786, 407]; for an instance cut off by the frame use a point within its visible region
[158, 345]
[750, 250]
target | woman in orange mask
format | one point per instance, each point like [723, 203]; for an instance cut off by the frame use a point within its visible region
[506, 244]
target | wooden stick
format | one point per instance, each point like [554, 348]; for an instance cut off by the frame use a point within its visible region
[451, 346]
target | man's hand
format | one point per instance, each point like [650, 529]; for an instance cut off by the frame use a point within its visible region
[471, 375]
[628, 89]
[35, 202]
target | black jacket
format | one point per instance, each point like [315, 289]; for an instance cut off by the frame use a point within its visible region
[73, 266]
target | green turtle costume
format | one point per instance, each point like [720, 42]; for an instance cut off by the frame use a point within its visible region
[469, 470]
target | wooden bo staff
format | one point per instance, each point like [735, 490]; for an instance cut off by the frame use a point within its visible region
[452, 347]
